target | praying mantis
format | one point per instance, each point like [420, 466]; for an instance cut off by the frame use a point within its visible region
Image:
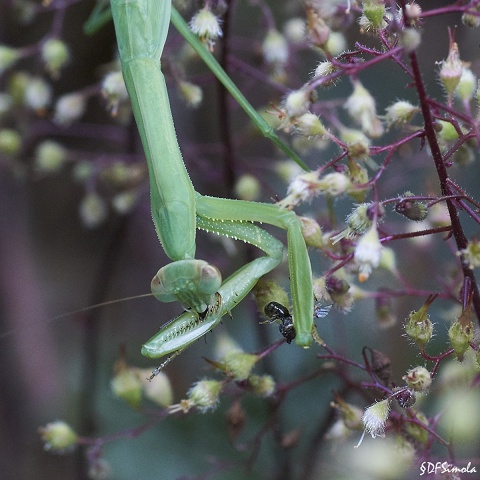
[141, 28]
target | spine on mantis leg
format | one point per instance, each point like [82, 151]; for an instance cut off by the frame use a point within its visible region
[141, 27]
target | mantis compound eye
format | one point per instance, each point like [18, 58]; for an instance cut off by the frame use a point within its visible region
[210, 279]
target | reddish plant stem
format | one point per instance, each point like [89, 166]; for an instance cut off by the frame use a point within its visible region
[457, 229]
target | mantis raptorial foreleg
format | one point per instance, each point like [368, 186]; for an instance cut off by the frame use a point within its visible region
[177, 210]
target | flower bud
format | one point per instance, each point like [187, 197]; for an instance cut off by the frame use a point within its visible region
[399, 113]
[297, 103]
[324, 69]
[93, 210]
[275, 48]
[451, 69]
[294, 30]
[471, 254]
[207, 26]
[309, 125]
[418, 379]
[438, 215]
[360, 106]
[58, 437]
[55, 54]
[191, 93]
[69, 108]
[471, 20]
[247, 188]
[368, 253]
[418, 325]
[467, 85]
[374, 11]
[204, 395]
[410, 39]
[464, 156]
[312, 233]
[50, 157]
[124, 202]
[336, 43]
[114, 90]
[239, 364]
[126, 384]
[38, 94]
[303, 188]
[375, 418]
[351, 415]
[447, 131]
[10, 142]
[411, 209]
[158, 391]
[357, 142]
[461, 333]
[262, 385]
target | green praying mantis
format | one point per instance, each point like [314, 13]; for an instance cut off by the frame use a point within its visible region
[141, 28]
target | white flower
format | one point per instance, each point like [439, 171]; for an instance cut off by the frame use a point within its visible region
[368, 253]
[361, 108]
[207, 26]
[69, 108]
[374, 419]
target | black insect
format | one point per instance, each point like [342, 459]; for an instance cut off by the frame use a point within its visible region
[277, 312]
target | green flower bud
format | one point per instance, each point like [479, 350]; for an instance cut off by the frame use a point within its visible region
[17, 86]
[451, 69]
[262, 385]
[447, 131]
[418, 325]
[399, 113]
[415, 431]
[336, 43]
[191, 93]
[375, 418]
[351, 415]
[357, 142]
[239, 364]
[374, 11]
[309, 125]
[58, 437]
[461, 333]
[470, 20]
[312, 233]
[159, 390]
[205, 395]
[126, 384]
[55, 54]
[471, 254]
[247, 188]
[467, 85]
[418, 379]
[412, 209]
[10, 142]
[50, 157]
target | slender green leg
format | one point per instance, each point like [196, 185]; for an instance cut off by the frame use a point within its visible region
[300, 270]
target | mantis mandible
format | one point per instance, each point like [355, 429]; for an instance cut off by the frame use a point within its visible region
[178, 210]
